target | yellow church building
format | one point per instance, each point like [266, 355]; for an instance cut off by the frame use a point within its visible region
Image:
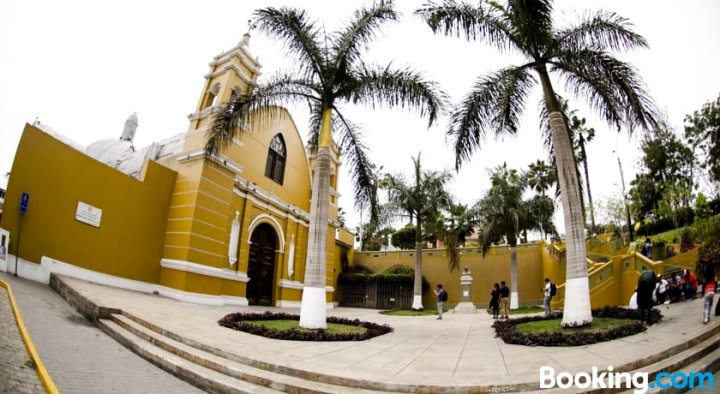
[226, 229]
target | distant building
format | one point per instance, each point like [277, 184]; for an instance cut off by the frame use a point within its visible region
[226, 229]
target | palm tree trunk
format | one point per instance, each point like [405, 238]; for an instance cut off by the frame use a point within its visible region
[576, 311]
[313, 311]
[514, 296]
[587, 184]
[417, 285]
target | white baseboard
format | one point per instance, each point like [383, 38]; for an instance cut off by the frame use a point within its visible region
[41, 273]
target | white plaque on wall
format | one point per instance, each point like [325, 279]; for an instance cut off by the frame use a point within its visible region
[86, 213]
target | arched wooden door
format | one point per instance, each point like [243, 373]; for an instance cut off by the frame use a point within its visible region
[261, 265]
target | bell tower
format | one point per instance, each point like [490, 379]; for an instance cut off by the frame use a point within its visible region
[232, 73]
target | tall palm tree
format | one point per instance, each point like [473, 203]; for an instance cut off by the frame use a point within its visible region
[580, 135]
[328, 71]
[418, 200]
[503, 214]
[580, 55]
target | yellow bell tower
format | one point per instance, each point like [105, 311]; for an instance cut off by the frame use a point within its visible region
[232, 73]
[195, 252]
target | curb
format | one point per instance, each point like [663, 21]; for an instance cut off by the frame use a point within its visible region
[42, 372]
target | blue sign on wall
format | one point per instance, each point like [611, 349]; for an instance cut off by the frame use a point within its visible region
[24, 199]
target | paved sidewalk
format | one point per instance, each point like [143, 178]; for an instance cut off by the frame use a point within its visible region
[458, 350]
[16, 373]
[79, 357]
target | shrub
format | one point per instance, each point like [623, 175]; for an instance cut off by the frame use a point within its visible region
[709, 254]
[400, 269]
[687, 239]
[236, 321]
[505, 329]
[715, 206]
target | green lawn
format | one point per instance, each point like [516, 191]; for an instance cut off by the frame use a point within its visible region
[671, 236]
[523, 310]
[286, 325]
[553, 326]
[402, 312]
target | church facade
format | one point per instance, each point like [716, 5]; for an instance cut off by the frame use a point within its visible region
[226, 229]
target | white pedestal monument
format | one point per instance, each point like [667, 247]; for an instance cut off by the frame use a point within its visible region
[465, 305]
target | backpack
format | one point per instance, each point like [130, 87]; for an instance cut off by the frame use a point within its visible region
[553, 290]
[443, 296]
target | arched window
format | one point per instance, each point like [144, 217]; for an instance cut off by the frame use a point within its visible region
[275, 167]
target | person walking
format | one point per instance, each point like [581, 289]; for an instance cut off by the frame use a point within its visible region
[548, 290]
[495, 300]
[708, 292]
[504, 299]
[441, 298]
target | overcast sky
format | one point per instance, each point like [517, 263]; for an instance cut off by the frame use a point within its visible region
[82, 67]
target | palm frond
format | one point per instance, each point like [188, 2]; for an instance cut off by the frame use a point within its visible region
[533, 20]
[300, 36]
[262, 104]
[495, 103]
[359, 166]
[474, 22]
[613, 88]
[397, 88]
[349, 43]
[600, 30]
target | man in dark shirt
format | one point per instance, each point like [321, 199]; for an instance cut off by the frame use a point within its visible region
[504, 299]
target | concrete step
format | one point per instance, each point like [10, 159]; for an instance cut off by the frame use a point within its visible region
[235, 369]
[702, 350]
[708, 363]
[197, 375]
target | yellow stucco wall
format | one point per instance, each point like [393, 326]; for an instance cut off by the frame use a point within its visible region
[128, 242]
[494, 267]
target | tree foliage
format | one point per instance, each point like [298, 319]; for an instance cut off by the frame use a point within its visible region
[666, 180]
[702, 130]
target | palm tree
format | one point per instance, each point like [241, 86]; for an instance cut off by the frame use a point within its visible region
[503, 214]
[328, 71]
[580, 55]
[540, 176]
[454, 228]
[419, 200]
[581, 135]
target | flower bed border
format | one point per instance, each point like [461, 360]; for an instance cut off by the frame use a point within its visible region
[236, 321]
[505, 329]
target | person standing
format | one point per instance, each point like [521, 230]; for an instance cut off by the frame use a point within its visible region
[661, 290]
[708, 292]
[548, 296]
[495, 300]
[504, 299]
[647, 248]
[441, 295]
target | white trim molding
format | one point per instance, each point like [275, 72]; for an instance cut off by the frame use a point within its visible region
[198, 154]
[195, 268]
[265, 218]
[41, 273]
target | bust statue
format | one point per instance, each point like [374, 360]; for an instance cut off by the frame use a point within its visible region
[131, 125]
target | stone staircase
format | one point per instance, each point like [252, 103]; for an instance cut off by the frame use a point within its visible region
[214, 370]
